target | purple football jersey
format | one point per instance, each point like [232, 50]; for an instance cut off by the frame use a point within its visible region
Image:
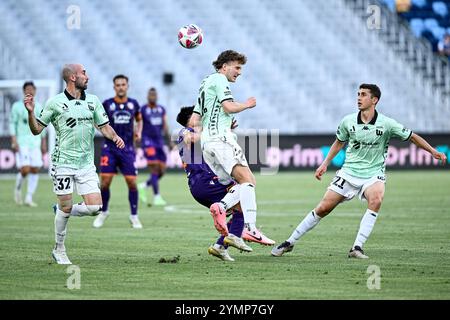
[121, 118]
[192, 157]
[153, 129]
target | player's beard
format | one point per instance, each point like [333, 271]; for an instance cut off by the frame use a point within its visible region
[81, 86]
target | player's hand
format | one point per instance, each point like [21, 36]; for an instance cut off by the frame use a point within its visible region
[187, 138]
[251, 102]
[137, 137]
[15, 147]
[320, 171]
[234, 124]
[119, 142]
[29, 102]
[440, 156]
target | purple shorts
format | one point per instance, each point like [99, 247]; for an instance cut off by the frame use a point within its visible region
[154, 154]
[207, 190]
[110, 160]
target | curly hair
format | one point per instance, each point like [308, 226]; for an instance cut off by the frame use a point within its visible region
[184, 115]
[228, 56]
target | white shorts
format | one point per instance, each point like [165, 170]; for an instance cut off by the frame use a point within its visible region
[221, 156]
[349, 186]
[29, 157]
[86, 180]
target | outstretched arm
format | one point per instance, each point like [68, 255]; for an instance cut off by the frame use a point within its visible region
[422, 143]
[35, 127]
[335, 148]
[109, 133]
[236, 107]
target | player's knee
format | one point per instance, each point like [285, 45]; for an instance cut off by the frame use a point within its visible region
[65, 207]
[323, 209]
[104, 184]
[375, 201]
[94, 209]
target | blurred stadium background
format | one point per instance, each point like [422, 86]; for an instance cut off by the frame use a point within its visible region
[305, 58]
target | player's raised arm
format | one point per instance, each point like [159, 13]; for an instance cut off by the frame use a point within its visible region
[423, 144]
[195, 122]
[236, 107]
[109, 133]
[335, 148]
[35, 127]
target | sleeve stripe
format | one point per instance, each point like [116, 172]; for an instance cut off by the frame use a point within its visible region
[409, 137]
[196, 112]
[103, 124]
[341, 140]
[226, 100]
[42, 123]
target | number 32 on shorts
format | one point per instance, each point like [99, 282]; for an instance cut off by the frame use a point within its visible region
[63, 183]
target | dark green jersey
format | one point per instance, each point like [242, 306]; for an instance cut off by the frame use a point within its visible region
[74, 121]
[368, 143]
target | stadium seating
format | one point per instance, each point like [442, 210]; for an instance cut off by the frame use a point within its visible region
[429, 19]
[306, 58]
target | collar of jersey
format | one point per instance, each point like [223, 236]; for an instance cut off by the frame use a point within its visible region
[82, 97]
[374, 119]
[118, 100]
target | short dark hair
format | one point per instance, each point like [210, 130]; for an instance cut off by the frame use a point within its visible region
[228, 56]
[120, 76]
[373, 88]
[152, 89]
[28, 83]
[184, 115]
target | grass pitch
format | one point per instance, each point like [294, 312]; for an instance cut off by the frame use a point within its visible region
[410, 244]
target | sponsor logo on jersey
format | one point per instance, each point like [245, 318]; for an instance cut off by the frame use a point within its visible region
[379, 132]
[365, 128]
[71, 122]
[156, 121]
[78, 103]
[122, 118]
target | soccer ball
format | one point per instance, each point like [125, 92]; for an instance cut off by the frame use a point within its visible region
[190, 36]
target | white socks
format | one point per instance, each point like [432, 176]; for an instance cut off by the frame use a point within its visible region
[33, 179]
[309, 222]
[232, 198]
[19, 180]
[365, 228]
[248, 204]
[61, 219]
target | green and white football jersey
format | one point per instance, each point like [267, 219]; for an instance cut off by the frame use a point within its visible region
[216, 123]
[74, 121]
[368, 143]
[18, 125]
